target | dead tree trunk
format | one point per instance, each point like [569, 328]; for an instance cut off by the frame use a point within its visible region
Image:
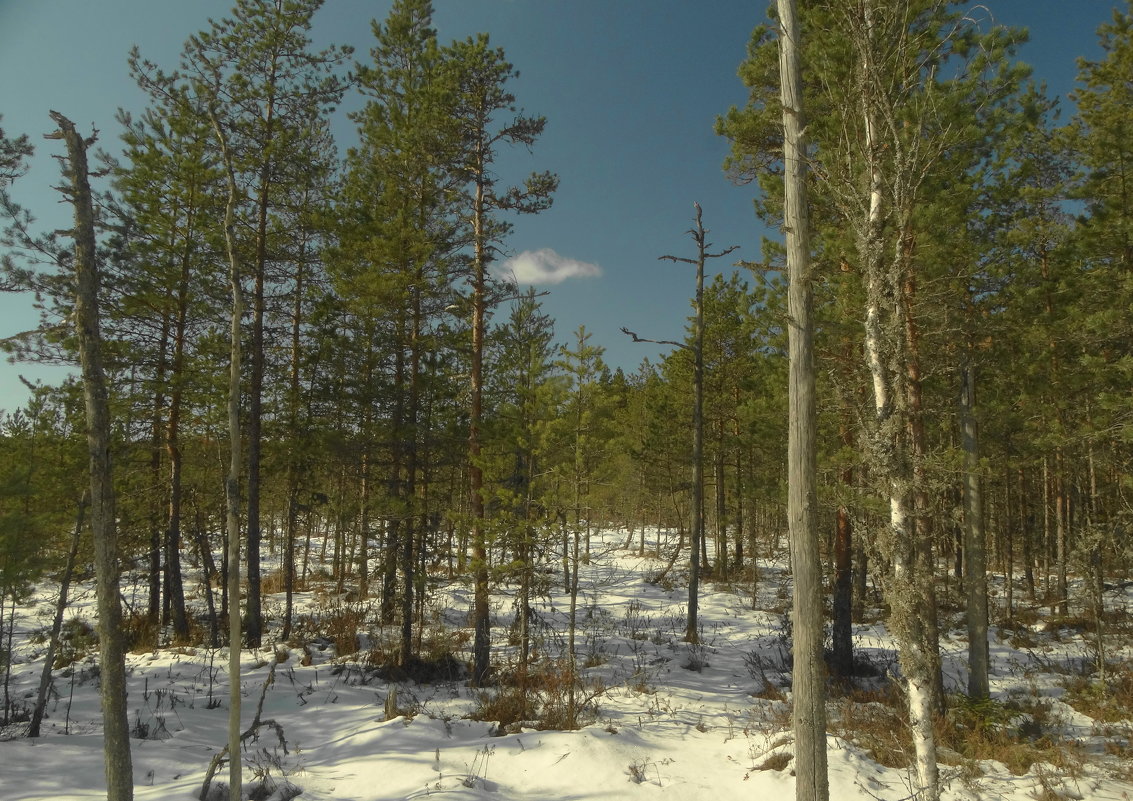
[112, 654]
[809, 715]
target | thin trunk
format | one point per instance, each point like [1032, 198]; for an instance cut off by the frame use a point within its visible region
[918, 449]
[412, 521]
[692, 626]
[975, 574]
[364, 497]
[258, 360]
[232, 482]
[1026, 527]
[572, 713]
[395, 487]
[175, 588]
[155, 475]
[57, 622]
[481, 649]
[842, 662]
[698, 545]
[1006, 524]
[721, 511]
[294, 453]
[741, 533]
[1062, 552]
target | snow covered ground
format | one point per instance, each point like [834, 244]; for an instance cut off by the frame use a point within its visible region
[690, 722]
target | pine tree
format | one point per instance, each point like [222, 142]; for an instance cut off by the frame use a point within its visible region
[259, 75]
[881, 123]
[402, 177]
[168, 203]
[480, 77]
[1101, 328]
[582, 414]
[530, 391]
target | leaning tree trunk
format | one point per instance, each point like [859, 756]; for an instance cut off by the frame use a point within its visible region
[809, 715]
[57, 623]
[112, 653]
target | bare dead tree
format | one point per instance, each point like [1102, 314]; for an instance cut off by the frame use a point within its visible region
[809, 674]
[699, 236]
[112, 652]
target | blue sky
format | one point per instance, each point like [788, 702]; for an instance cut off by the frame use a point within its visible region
[630, 89]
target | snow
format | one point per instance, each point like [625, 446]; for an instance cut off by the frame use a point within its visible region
[661, 728]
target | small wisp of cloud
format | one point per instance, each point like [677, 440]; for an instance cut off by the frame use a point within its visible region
[545, 266]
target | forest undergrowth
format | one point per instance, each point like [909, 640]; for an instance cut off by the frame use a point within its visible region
[1059, 723]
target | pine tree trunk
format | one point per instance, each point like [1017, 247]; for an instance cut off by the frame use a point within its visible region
[112, 653]
[293, 456]
[232, 482]
[155, 516]
[395, 525]
[721, 510]
[175, 588]
[413, 521]
[481, 648]
[841, 636]
[975, 574]
[692, 626]
[174, 580]
[1062, 551]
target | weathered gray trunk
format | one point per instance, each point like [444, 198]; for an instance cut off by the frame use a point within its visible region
[809, 676]
[112, 655]
[692, 626]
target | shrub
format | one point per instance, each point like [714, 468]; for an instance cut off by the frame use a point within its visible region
[77, 640]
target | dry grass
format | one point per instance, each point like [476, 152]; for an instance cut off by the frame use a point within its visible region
[1106, 701]
[777, 761]
[342, 624]
[545, 702]
[875, 721]
[1018, 734]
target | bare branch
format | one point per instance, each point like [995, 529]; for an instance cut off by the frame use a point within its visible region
[636, 338]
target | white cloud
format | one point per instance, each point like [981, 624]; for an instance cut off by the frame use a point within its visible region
[545, 266]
